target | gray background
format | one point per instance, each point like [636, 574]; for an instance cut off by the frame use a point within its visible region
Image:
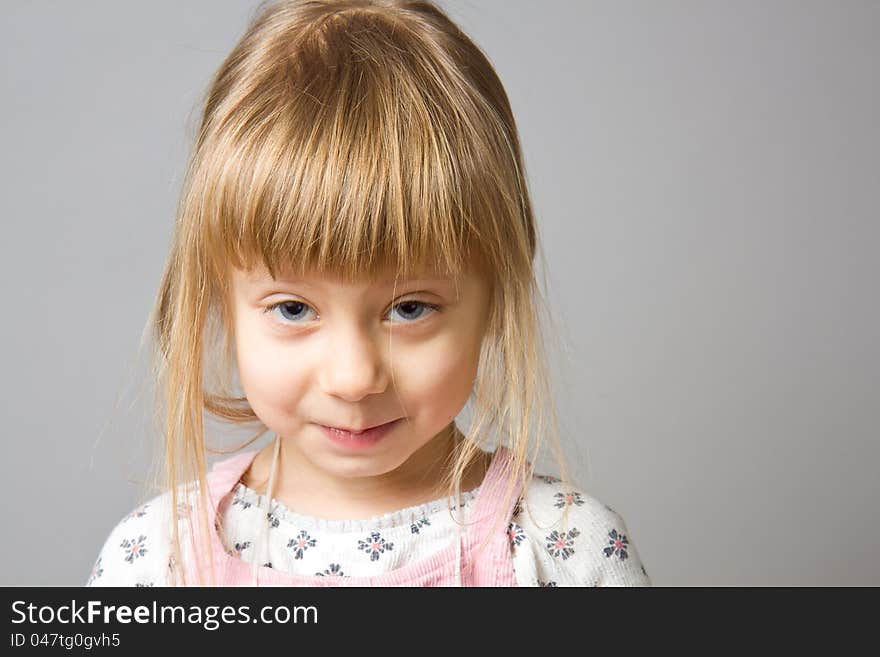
[706, 179]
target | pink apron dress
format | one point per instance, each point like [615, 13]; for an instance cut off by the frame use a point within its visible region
[466, 561]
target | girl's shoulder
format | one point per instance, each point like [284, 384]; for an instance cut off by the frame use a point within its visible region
[563, 536]
[138, 548]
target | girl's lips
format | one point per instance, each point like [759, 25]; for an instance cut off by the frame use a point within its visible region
[360, 440]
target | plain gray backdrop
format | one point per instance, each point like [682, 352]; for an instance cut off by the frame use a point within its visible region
[706, 179]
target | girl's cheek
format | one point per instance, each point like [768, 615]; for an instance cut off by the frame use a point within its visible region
[278, 369]
[441, 372]
[270, 375]
[275, 393]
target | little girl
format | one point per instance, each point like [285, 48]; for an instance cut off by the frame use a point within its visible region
[354, 252]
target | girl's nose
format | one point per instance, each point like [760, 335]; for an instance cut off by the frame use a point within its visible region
[353, 366]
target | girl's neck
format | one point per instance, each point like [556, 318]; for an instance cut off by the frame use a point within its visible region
[307, 491]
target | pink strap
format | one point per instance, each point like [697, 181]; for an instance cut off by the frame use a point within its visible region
[491, 503]
[491, 561]
[225, 474]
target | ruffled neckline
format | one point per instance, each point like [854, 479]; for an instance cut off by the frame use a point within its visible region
[246, 497]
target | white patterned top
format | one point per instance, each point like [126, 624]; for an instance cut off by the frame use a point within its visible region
[593, 548]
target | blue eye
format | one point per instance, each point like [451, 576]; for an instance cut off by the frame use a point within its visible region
[292, 308]
[413, 306]
[292, 311]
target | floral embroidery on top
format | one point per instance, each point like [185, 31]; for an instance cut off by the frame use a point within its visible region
[414, 528]
[135, 548]
[515, 534]
[375, 545]
[184, 509]
[617, 544]
[550, 584]
[561, 544]
[140, 512]
[333, 569]
[273, 520]
[301, 543]
[240, 547]
[238, 500]
[549, 479]
[567, 499]
[96, 571]
[172, 574]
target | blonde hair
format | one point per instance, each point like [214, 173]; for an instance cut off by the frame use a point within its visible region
[344, 136]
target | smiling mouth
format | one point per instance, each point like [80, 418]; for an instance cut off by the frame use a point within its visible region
[359, 440]
[355, 432]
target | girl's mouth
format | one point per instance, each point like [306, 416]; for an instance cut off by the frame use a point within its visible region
[359, 440]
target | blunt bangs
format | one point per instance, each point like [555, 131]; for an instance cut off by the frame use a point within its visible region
[342, 162]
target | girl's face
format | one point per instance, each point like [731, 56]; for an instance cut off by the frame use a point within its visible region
[317, 351]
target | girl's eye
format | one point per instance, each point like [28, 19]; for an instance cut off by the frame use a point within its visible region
[292, 312]
[411, 309]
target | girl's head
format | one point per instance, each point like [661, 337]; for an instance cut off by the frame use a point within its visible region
[357, 163]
